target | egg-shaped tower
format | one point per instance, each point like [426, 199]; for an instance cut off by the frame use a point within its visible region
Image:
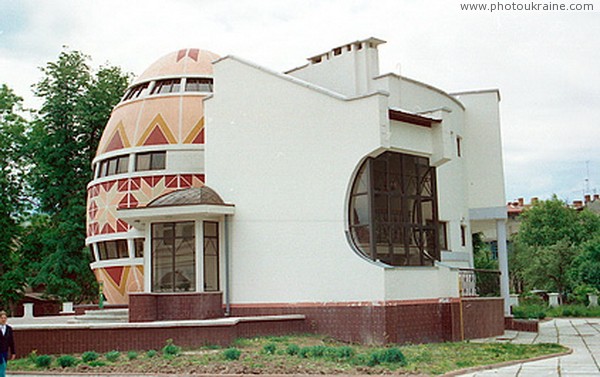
[153, 144]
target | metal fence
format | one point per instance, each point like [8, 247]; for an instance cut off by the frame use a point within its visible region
[479, 283]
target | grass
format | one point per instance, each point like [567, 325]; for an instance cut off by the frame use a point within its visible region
[303, 354]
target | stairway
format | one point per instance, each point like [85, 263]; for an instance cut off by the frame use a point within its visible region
[103, 316]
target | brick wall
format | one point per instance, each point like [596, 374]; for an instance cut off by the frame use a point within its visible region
[418, 321]
[102, 339]
[148, 307]
[529, 325]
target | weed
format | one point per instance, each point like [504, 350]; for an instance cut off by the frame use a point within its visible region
[66, 361]
[112, 356]
[232, 354]
[42, 361]
[151, 353]
[171, 349]
[97, 363]
[388, 356]
[132, 355]
[292, 349]
[270, 348]
[89, 356]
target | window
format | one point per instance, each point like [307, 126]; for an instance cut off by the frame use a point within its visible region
[173, 257]
[393, 210]
[150, 161]
[211, 256]
[114, 165]
[199, 85]
[166, 86]
[112, 249]
[458, 146]
[463, 235]
[136, 91]
[443, 235]
[139, 247]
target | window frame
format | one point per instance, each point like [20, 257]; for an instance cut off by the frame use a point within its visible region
[405, 232]
[153, 157]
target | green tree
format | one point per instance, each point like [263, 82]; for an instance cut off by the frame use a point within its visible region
[62, 143]
[586, 266]
[549, 239]
[12, 127]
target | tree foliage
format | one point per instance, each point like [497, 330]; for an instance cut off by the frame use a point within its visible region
[61, 144]
[12, 127]
[550, 239]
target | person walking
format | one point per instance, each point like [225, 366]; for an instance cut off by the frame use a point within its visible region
[7, 344]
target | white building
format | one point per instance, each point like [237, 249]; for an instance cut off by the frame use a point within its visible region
[329, 188]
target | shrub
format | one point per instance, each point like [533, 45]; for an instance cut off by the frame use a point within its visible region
[529, 311]
[232, 354]
[42, 361]
[171, 349]
[270, 348]
[89, 356]
[132, 355]
[151, 353]
[112, 356]
[292, 349]
[344, 352]
[66, 361]
[388, 356]
[97, 363]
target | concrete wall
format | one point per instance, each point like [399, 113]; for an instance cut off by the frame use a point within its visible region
[285, 157]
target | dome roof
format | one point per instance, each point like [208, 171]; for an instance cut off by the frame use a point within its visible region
[186, 197]
[188, 61]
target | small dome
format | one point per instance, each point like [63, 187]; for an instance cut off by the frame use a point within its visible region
[189, 61]
[187, 197]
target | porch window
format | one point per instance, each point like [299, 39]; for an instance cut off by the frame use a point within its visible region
[393, 210]
[173, 257]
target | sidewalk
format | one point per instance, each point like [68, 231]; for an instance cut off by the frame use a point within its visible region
[580, 334]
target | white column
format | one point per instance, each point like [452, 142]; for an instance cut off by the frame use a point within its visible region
[503, 263]
[199, 255]
[148, 259]
[28, 310]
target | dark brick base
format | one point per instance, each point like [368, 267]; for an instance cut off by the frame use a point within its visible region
[148, 307]
[146, 337]
[419, 321]
[528, 325]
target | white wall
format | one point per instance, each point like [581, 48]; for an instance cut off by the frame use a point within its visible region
[284, 154]
[408, 283]
[484, 146]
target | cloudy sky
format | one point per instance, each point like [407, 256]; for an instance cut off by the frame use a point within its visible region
[546, 64]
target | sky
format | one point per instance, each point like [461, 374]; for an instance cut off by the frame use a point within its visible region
[546, 64]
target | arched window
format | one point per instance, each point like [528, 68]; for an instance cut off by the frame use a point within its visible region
[393, 210]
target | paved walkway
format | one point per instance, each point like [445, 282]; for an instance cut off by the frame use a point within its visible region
[580, 334]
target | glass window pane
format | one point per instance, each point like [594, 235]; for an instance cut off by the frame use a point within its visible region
[359, 210]
[111, 250]
[122, 249]
[123, 164]
[142, 162]
[158, 161]
[176, 86]
[139, 247]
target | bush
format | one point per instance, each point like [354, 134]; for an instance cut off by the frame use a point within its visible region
[132, 355]
[42, 361]
[66, 361]
[97, 363]
[232, 354]
[89, 356]
[292, 349]
[270, 348]
[388, 356]
[529, 311]
[151, 353]
[112, 356]
[171, 349]
[344, 352]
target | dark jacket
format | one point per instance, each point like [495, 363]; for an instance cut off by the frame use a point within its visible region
[7, 343]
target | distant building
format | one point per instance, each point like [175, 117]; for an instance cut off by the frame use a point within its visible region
[328, 189]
